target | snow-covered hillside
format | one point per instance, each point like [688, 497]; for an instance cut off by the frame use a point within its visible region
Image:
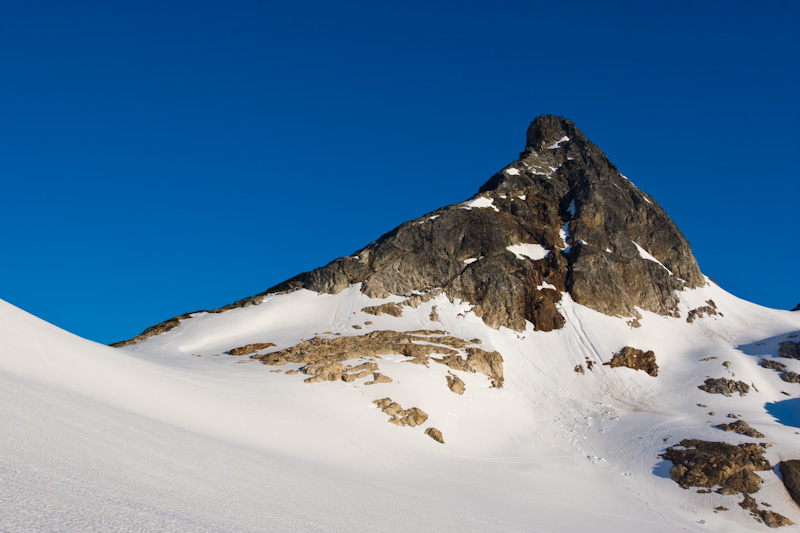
[535, 351]
[174, 434]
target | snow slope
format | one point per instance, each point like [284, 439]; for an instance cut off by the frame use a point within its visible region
[172, 434]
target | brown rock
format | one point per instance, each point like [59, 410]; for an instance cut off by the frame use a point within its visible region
[250, 348]
[435, 434]
[789, 350]
[455, 384]
[635, 359]
[578, 369]
[323, 371]
[478, 360]
[377, 377]
[399, 416]
[698, 463]
[741, 427]
[390, 308]
[434, 316]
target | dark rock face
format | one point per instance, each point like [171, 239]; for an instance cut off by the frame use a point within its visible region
[790, 472]
[698, 463]
[556, 185]
[608, 244]
[635, 359]
[724, 386]
[789, 350]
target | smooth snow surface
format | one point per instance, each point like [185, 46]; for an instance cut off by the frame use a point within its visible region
[530, 251]
[173, 434]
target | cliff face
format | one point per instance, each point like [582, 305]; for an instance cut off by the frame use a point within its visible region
[559, 219]
[589, 231]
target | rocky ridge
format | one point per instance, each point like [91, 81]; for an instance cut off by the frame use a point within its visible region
[559, 219]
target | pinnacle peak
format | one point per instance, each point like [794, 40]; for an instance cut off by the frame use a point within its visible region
[549, 131]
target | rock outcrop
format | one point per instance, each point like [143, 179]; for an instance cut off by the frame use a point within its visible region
[789, 350]
[586, 228]
[250, 348]
[698, 463]
[635, 359]
[790, 472]
[724, 386]
[455, 384]
[413, 416]
[742, 428]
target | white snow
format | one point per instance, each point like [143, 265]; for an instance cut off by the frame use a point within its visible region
[512, 171]
[571, 208]
[644, 254]
[522, 196]
[546, 285]
[479, 202]
[530, 251]
[557, 144]
[470, 260]
[564, 234]
[154, 437]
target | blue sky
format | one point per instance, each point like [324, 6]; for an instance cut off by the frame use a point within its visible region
[163, 157]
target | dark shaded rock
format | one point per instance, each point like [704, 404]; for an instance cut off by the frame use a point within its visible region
[635, 359]
[769, 518]
[796, 308]
[556, 184]
[741, 427]
[152, 331]
[698, 463]
[773, 365]
[790, 377]
[724, 386]
[251, 348]
[790, 472]
[435, 434]
[789, 350]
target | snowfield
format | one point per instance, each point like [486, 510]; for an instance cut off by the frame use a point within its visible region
[173, 434]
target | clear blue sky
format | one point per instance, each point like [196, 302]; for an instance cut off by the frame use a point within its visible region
[159, 157]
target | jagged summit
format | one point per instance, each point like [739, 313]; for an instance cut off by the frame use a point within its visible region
[561, 219]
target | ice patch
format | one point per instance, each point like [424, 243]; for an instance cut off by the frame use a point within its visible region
[571, 208]
[512, 172]
[557, 144]
[564, 234]
[644, 254]
[480, 202]
[531, 251]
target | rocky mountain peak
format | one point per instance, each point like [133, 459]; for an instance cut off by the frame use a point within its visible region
[561, 219]
[549, 132]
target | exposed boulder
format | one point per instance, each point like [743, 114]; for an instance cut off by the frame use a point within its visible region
[741, 427]
[773, 365]
[769, 518]
[435, 434]
[724, 386]
[732, 469]
[635, 359]
[390, 308]
[455, 384]
[250, 348]
[399, 416]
